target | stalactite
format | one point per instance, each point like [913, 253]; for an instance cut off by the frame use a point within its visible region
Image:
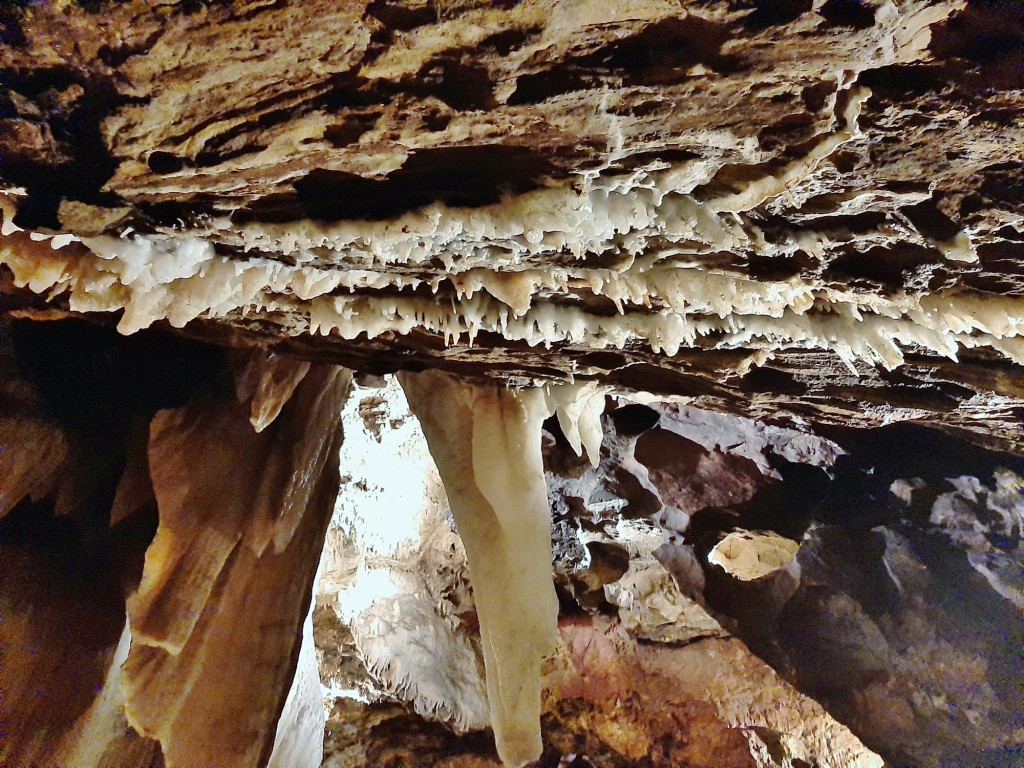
[217, 620]
[486, 442]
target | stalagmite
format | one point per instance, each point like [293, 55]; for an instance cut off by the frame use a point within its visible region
[486, 442]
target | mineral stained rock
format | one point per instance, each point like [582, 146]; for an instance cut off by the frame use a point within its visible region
[709, 703]
[167, 634]
[228, 577]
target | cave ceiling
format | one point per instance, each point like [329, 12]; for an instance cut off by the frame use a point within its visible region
[807, 211]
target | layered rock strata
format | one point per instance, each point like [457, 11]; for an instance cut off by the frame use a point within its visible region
[808, 208]
[804, 213]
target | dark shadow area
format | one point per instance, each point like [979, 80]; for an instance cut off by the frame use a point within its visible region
[660, 54]
[896, 614]
[456, 176]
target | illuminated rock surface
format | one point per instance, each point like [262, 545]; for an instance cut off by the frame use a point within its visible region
[732, 245]
[807, 208]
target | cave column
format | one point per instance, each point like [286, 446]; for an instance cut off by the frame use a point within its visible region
[217, 621]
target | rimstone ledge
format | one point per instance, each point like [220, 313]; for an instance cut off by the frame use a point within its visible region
[578, 383]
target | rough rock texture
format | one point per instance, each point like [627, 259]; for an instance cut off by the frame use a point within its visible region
[896, 615]
[642, 673]
[753, 224]
[809, 208]
[159, 621]
[900, 611]
[709, 703]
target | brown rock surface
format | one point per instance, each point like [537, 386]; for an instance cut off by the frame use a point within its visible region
[706, 703]
[773, 218]
[151, 610]
[228, 576]
[864, 154]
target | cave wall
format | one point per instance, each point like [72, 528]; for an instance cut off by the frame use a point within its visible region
[878, 592]
[158, 552]
[771, 241]
[889, 623]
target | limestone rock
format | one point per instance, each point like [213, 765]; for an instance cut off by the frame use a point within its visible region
[806, 210]
[716, 237]
[221, 543]
[153, 610]
[900, 614]
[748, 555]
[738, 713]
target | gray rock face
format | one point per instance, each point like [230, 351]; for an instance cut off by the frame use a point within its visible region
[900, 614]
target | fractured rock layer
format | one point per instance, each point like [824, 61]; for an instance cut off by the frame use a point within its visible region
[812, 206]
[710, 703]
[805, 212]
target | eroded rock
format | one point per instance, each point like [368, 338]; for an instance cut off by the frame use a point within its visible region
[806, 212]
[159, 623]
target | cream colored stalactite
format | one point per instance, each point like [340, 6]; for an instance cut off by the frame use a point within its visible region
[346, 276]
[182, 280]
[486, 442]
[579, 408]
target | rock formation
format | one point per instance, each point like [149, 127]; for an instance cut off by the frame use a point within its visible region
[730, 245]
